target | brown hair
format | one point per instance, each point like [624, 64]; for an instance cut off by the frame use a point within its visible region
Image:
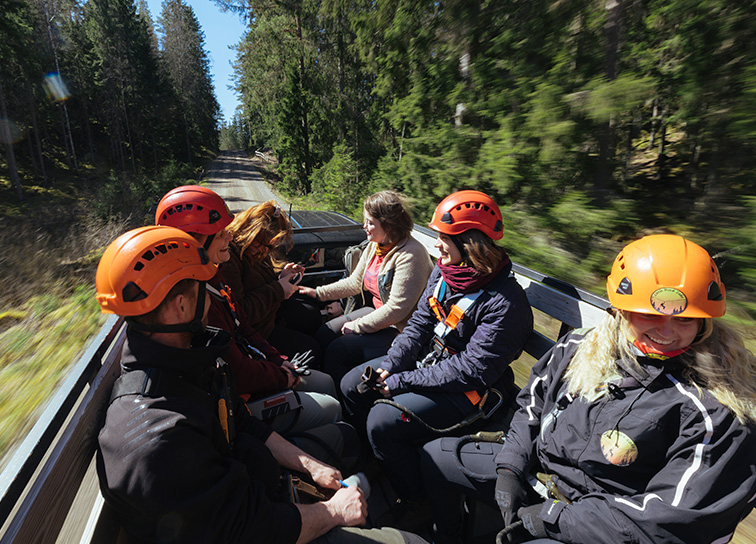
[265, 223]
[390, 209]
[479, 249]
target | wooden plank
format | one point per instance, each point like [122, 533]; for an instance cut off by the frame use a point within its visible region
[561, 306]
[45, 506]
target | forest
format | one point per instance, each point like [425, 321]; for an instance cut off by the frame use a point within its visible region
[591, 122]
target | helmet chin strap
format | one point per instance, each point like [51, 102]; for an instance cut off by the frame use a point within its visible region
[194, 326]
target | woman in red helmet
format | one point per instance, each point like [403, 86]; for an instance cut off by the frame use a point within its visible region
[644, 425]
[471, 323]
[259, 369]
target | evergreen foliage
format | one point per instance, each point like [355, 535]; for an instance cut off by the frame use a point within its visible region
[601, 121]
[86, 84]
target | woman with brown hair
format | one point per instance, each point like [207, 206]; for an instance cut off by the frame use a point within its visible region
[392, 270]
[472, 321]
[264, 283]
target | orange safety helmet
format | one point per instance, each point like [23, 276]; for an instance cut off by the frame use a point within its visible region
[465, 210]
[193, 208]
[140, 267]
[666, 274]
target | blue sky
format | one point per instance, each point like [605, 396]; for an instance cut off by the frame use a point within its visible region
[222, 30]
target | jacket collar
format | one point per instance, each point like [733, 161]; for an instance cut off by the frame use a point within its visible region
[141, 352]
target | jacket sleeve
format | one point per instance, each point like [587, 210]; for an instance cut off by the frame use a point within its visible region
[502, 326]
[406, 348]
[706, 487]
[351, 285]
[411, 271]
[259, 298]
[518, 451]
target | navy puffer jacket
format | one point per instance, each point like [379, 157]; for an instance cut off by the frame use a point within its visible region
[487, 339]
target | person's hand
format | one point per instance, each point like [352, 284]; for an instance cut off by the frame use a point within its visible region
[288, 287]
[509, 495]
[381, 386]
[325, 475]
[334, 309]
[307, 291]
[532, 523]
[347, 328]
[292, 378]
[290, 269]
[349, 506]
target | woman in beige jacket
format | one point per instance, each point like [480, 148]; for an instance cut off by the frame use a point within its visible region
[391, 275]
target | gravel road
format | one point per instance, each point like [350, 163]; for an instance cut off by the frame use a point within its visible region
[233, 176]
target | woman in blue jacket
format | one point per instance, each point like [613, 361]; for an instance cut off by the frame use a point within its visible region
[642, 428]
[472, 321]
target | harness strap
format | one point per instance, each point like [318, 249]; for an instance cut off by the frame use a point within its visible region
[447, 323]
[224, 295]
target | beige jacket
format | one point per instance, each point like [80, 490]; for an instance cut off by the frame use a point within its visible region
[402, 278]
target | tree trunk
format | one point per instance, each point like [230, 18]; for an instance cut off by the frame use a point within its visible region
[8, 140]
[606, 133]
[661, 159]
[67, 134]
[654, 124]
[188, 144]
[128, 128]
[305, 122]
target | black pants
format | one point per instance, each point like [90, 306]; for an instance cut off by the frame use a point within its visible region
[396, 438]
[293, 332]
[446, 481]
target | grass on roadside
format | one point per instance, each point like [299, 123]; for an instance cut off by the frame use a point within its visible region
[36, 353]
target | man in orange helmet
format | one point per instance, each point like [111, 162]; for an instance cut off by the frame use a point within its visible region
[179, 458]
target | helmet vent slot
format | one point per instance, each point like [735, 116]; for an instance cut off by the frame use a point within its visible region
[715, 293]
[132, 292]
[625, 287]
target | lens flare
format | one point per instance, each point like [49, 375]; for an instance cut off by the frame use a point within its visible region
[56, 88]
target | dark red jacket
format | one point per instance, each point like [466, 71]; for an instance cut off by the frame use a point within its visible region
[254, 377]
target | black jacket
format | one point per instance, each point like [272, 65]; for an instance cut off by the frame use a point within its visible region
[166, 466]
[654, 461]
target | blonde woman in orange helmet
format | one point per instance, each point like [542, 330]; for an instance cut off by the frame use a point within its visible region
[642, 427]
[645, 424]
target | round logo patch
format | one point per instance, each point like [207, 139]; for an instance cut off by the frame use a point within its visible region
[669, 301]
[618, 448]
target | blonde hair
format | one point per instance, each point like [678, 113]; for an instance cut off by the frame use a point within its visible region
[717, 362]
[265, 223]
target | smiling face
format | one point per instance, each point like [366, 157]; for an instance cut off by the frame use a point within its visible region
[373, 228]
[218, 250]
[661, 332]
[450, 253]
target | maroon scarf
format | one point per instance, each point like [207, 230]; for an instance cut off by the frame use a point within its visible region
[466, 279]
